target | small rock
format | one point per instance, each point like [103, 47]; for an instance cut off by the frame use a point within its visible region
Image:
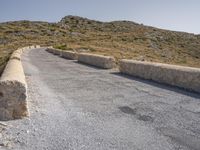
[3, 124]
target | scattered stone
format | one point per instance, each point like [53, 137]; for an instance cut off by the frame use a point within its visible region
[3, 124]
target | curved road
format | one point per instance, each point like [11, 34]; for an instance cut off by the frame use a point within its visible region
[78, 107]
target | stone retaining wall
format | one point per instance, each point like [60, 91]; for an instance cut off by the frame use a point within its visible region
[184, 77]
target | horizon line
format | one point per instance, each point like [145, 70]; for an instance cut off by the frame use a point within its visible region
[104, 21]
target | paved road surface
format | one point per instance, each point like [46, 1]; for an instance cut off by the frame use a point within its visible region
[79, 107]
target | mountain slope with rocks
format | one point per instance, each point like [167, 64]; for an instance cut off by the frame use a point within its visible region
[123, 39]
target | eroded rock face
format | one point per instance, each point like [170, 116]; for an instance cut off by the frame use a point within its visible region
[13, 104]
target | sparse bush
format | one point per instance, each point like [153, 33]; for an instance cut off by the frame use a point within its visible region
[63, 46]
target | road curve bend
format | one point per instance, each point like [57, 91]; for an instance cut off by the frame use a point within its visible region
[79, 107]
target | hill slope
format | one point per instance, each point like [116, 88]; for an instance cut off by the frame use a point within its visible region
[123, 39]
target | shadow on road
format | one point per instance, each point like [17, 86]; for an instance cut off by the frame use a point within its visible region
[160, 85]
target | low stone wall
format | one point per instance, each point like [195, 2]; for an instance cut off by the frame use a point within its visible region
[25, 48]
[16, 54]
[13, 89]
[69, 55]
[50, 50]
[106, 62]
[31, 47]
[54, 51]
[65, 54]
[37, 46]
[184, 77]
[57, 52]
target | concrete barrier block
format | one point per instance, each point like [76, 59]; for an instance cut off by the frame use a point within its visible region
[50, 50]
[19, 50]
[57, 52]
[105, 62]
[50, 47]
[16, 55]
[32, 47]
[37, 46]
[184, 77]
[25, 48]
[69, 55]
[13, 91]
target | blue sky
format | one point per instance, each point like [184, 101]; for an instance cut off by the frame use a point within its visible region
[179, 15]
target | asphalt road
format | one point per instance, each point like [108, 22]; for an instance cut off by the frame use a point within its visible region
[79, 107]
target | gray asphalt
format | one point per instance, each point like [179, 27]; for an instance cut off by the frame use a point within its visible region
[79, 107]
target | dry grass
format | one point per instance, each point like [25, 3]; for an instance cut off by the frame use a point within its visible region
[121, 39]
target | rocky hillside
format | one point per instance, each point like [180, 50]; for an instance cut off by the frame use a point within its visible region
[123, 39]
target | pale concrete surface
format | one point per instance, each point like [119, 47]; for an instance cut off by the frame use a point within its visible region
[70, 55]
[16, 54]
[50, 49]
[184, 77]
[57, 52]
[78, 107]
[13, 89]
[106, 62]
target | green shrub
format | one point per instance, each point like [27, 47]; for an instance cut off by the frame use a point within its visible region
[62, 47]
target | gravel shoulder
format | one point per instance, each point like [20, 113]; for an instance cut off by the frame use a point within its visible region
[75, 106]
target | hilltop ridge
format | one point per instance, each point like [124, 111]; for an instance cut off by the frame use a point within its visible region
[123, 39]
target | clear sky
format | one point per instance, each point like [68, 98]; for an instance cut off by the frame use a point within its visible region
[179, 15]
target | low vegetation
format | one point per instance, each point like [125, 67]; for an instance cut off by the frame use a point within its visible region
[122, 39]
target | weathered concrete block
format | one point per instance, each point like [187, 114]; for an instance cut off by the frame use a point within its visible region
[57, 52]
[69, 55]
[37, 46]
[184, 77]
[54, 51]
[13, 90]
[16, 54]
[106, 62]
[25, 48]
[50, 50]
[31, 47]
